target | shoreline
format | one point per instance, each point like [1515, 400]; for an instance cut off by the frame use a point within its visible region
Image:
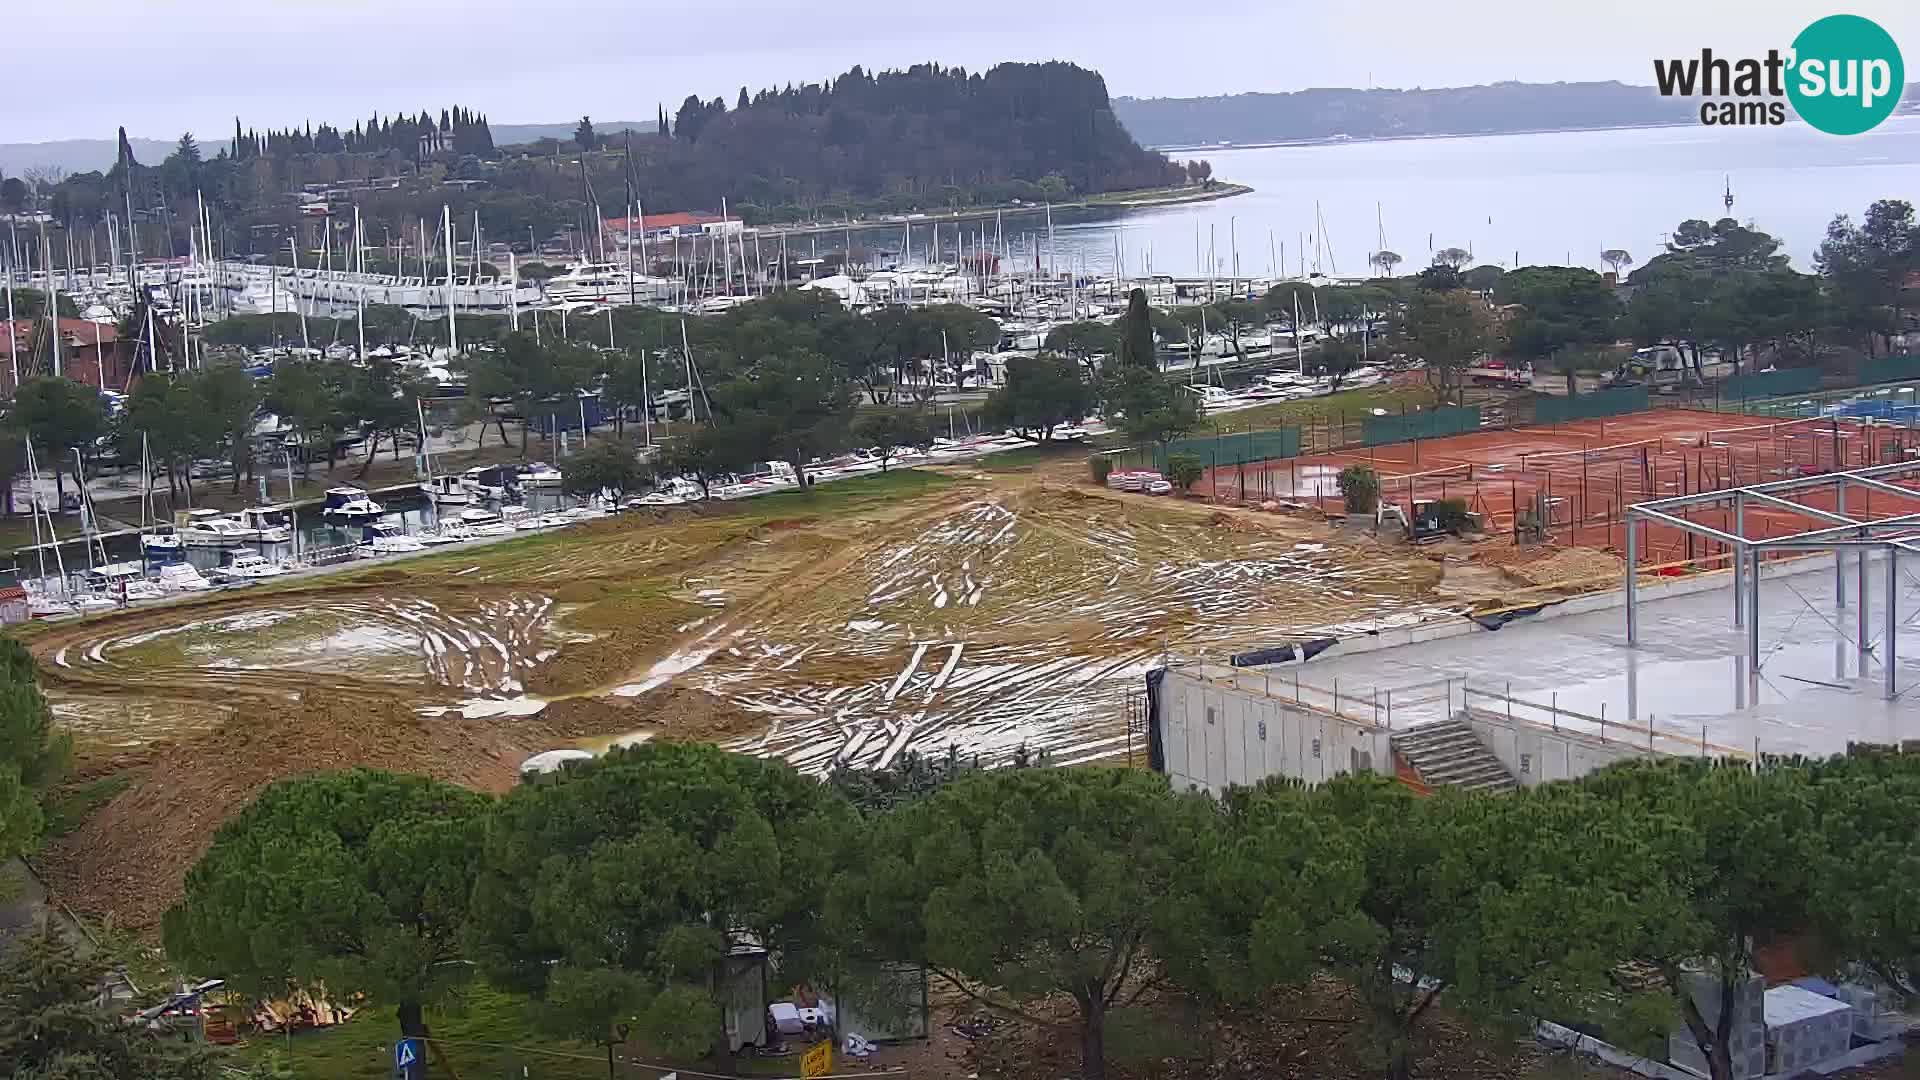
[1329, 140]
[1151, 198]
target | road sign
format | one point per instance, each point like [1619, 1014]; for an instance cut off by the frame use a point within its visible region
[406, 1056]
[817, 1061]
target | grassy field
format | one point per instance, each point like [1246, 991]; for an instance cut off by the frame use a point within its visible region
[1348, 404]
[487, 1034]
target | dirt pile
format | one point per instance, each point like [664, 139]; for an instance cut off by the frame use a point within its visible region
[1572, 567]
[129, 859]
[675, 712]
[629, 628]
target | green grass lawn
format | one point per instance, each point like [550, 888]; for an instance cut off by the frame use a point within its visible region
[487, 1036]
[1350, 404]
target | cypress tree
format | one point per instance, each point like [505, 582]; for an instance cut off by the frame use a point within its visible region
[1136, 334]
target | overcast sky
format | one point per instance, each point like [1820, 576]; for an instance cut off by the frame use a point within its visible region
[79, 68]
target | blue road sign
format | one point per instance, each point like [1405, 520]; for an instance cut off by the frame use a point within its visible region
[406, 1055]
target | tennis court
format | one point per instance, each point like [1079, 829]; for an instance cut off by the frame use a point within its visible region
[1570, 484]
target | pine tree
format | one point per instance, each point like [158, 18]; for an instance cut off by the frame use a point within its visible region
[126, 162]
[50, 1027]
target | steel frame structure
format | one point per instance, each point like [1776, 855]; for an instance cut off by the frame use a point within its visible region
[1893, 535]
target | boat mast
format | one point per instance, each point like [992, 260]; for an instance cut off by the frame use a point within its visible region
[53, 300]
[513, 294]
[446, 223]
[13, 328]
[360, 286]
[87, 530]
[294, 247]
[33, 504]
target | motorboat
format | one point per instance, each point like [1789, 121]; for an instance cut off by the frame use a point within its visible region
[246, 566]
[446, 490]
[351, 505]
[445, 534]
[162, 543]
[478, 515]
[273, 523]
[87, 601]
[493, 482]
[46, 607]
[655, 498]
[122, 581]
[539, 474]
[213, 529]
[183, 577]
[528, 521]
[386, 538]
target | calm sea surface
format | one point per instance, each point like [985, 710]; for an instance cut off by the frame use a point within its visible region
[1555, 197]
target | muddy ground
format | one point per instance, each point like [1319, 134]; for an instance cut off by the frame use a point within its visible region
[983, 610]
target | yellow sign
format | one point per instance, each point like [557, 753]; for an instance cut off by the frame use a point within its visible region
[817, 1061]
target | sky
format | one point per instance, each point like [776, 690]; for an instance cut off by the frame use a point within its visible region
[161, 67]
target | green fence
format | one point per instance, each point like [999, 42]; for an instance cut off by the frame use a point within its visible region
[1890, 369]
[1235, 447]
[1426, 424]
[1762, 384]
[1626, 399]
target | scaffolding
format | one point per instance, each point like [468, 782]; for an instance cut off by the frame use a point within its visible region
[1817, 519]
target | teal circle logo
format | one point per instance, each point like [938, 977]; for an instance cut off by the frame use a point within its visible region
[1846, 75]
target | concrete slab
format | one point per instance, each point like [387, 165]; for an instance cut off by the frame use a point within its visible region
[1687, 680]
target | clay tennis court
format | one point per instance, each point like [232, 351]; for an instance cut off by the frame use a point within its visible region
[1570, 484]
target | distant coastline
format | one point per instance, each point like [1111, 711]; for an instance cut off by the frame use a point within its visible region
[1152, 198]
[1328, 115]
[1910, 106]
[1334, 140]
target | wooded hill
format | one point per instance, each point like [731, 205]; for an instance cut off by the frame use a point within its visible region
[925, 138]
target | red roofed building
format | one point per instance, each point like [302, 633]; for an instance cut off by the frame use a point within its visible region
[90, 352]
[682, 223]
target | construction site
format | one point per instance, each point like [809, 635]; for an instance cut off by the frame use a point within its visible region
[997, 609]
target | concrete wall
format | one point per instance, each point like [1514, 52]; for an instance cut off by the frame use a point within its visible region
[1217, 735]
[1537, 755]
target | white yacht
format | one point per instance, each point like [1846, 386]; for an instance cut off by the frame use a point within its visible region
[446, 490]
[273, 523]
[246, 566]
[213, 529]
[182, 577]
[386, 538]
[122, 580]
[162, 543]
[478, 515]
[539, 474]
[351, 505]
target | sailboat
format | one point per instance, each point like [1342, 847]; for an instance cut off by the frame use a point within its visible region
[159, 541]
[444, 489]
[43, 602]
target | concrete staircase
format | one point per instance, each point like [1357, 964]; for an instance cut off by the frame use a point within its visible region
[1450, 754]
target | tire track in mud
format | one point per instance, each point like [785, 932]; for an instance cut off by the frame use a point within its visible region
[997, 620]
[232, 653]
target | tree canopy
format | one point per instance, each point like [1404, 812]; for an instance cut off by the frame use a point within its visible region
[654, 863]
[357, 880]
[1027, 884]
[1041, 393]
[1449, 330]
[50, 1026]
